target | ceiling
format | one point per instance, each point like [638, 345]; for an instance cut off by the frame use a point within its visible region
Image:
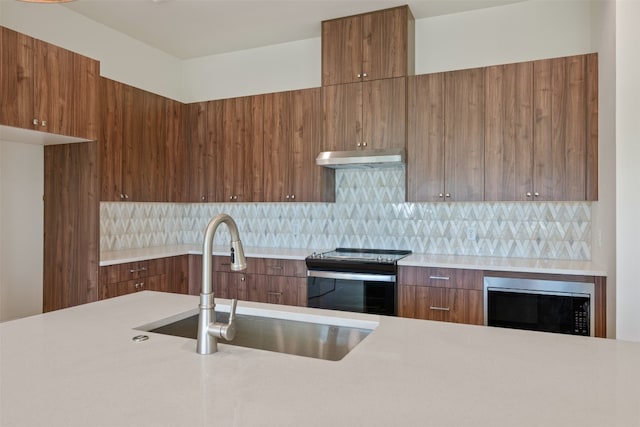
[194, 28]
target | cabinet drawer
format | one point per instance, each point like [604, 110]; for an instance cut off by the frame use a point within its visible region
[442, 304]
[441, 277]
[223, 263]
[284, 267]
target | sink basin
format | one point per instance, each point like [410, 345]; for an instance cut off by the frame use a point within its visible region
[320, 340]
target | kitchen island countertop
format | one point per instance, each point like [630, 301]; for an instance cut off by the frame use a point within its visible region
[80, 367]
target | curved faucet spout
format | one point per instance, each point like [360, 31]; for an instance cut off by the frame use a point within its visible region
[208, 329]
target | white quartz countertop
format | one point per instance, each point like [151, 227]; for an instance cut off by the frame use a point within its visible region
[586, 268]
[80, 367]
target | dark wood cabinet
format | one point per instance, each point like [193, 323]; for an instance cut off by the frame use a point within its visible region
[47, 88]
[292, 139]
[205, 156]
[169, 274]
[71, 225]
[242, 151]
[445, 147]
[368, 115]
[143, 146]
[444, 294]
[541, 130]
[370, 46]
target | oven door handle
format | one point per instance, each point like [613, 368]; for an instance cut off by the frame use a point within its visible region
[391, 278]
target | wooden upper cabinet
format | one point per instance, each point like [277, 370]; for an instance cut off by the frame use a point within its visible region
[176, 148]
[509, 132]
[367, 115]
[370, 46]
[446, 137]
[292, 138]
[565, 128]
[205, 151]
[47, 88]
[111, 140]
[541, 130]
[242, 149]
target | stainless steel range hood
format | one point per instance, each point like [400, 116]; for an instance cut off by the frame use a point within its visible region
[362, 159]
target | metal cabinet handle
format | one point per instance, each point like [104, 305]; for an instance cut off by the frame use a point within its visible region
[203, 198]
[439, 277]
[358, 75]
[447, 195]
[364, 74]
[364, 144]
[43, 123]
[242, 279]
[137, 270]
[440, 195]
[528, 194]
[536, 194]
[35, 121]
[275, 293]
[358, 145]
[293, 196]
[439, 308]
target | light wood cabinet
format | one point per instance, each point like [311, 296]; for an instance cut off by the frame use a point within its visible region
[444, 294]
[292, 139]
[162, 274]
[368, 115]
[445, 146]
[370, 46]
[242, 151]
[205, 157]
[541, 130]
[47, 88]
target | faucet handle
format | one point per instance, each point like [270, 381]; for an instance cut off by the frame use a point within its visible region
[225, 330]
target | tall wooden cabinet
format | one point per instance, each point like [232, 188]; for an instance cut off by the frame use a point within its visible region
[242, 151]
[445, 145]
[71, 225]
[292, 139]
[47, 88]
[368, 115]
[541, 130]
[370, 46]
[205, 142]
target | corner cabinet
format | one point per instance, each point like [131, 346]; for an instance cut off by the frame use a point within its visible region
[445, 144]
[542, 130]
[370, 46]
[444, 294]
[47, 88]
[292, 139]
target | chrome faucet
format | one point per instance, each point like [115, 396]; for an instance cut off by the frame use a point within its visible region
[208, 329]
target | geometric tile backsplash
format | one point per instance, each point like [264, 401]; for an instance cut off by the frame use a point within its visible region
[369, 212]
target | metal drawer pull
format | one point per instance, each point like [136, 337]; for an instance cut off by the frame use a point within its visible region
[275, 293]
[439, 308]
[439, 277]
[276, 267]
[138, 270]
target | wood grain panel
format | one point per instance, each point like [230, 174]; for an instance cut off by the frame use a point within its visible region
[385, 43]
[342, 122]
[195, 274]
[277, 141]
[441, 277]
[341, 50]
[71, 225]
[508, 169]
[425, 139]
[406, 301]
[176, 152]
[85, 102]
[464, 135]
[153, 159]
[384, 104]
[111, 139]
[16, 79]
[592, 126]
[283, 289]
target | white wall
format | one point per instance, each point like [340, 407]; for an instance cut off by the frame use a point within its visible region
[21, 229]
[627, 162]
[121, 57]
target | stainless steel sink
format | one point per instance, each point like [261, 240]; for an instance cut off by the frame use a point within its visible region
[301, 338]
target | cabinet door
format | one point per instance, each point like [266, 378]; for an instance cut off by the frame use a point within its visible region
[205, 151]
[464, 135]
[85, 100]
[283, 289]
[111, 140]
[277, 142]
[176, 149]
[243, 149]
[384, 39]
[341, 50]
[448, 305]
[342, 106]
[384, 113]
[425, 139]
[508, 170]
[16, 79]
[562, 127]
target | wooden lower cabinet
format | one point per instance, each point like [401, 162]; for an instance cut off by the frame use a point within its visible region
[444, 294]
[269, 280]
[163, 275]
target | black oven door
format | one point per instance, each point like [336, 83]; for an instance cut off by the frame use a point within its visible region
[360, 293]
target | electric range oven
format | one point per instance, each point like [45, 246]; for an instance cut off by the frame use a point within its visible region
[357, 280]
